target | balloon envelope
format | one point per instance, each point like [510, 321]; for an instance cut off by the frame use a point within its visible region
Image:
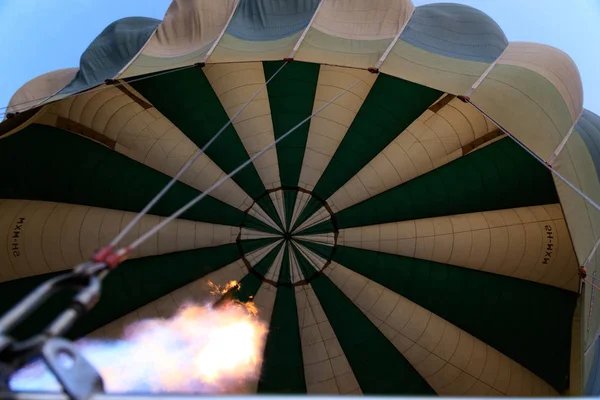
[398, 242]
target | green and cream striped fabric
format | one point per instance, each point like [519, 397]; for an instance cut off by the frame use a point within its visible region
[396, 243]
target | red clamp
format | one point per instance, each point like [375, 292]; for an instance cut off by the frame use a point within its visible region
[107, 256]
[582, 273]
[464, 99]
[288, 59]
[373, 70]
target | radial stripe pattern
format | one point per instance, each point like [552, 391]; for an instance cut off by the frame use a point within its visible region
[396, 243]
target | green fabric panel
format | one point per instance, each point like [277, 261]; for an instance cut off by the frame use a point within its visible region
[527, 321]
[318, 248]
[390, 107]
[378, 366]
[135, 283]
[250, 283]
[289, 201]
[284, 273]
[45, 163]
[323, 227]
[266, 204]
[188, 100]
[283, 366]
[248, 288]
[264, 265]
[499, 176]
[324, 251]
[291, 98]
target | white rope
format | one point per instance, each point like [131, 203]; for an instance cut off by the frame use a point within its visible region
[597, 334]
[396, 38]
[218, 40]
[485, 74]
[305, 32]
[592, 253]
[168, 186]
[564, 141]
[190, 204]
[138, 54]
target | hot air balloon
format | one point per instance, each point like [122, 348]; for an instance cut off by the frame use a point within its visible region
[422, 232]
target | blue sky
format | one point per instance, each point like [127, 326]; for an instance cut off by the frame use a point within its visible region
[37, 36]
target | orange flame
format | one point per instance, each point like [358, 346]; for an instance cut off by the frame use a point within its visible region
[222, 289]
[201, 349]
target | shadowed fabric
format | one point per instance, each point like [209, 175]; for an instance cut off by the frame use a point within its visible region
[262, 20]
[111, 51]
[282, 371]
[456, 31]
[588, 128]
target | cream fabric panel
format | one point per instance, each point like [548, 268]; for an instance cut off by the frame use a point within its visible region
[326, 368]
[189, 26]
[235, 84]
[43, 237]
[261, 215]
[353, 33]
[325, 238]
[328, 128]
[451, 360]
[320, 216]
[249, 234]
[431, 141]
[146, 136]
[527, 105]
[315, 260]
[301, 201]
[12, 224]
[362, 19]
[296, 274]
[575, 164]
[254, 257]
[583, 222]
[232, 49]
[278, 201]
[273, 272]
[39, 89]
[188, 30]
[447, 74]
[531, 243]
[554, 65]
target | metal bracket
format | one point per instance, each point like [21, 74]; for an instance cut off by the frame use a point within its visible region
[79, 380]
[75, 374]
